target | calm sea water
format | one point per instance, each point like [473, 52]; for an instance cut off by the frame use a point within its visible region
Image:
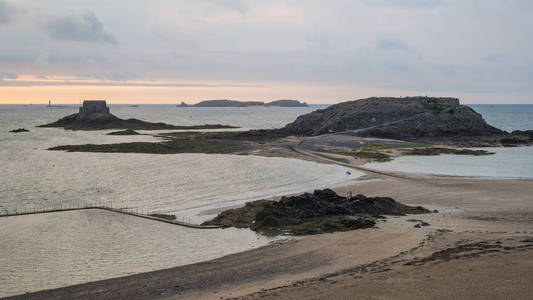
[506, 162]
[182, 183]
[59, 249]
[507, 117]
[53, 250]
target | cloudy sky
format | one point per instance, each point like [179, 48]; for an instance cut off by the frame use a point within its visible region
[164, 51]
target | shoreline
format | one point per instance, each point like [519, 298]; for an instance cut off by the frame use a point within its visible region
[448, 193]
[484, 223]
[378, 185]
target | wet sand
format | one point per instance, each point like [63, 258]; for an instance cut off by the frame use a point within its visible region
[481, 225]
[471, 211]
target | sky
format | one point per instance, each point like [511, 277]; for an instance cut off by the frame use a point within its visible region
[318, 51]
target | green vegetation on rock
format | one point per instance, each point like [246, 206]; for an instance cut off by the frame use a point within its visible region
[438, 151]
[362, 154]
[319, 212]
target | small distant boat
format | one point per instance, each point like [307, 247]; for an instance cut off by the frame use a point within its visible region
[134, 105]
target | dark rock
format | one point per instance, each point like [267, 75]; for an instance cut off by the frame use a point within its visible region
[518, 138]
[321, 211]
[124, 132]
[242, 217]
[95, 115]
[327, 202]
[409, 118]
[19, 130]
[163, 216]
[438, 150]
[287, 103]
[101, 121]
[528, 133]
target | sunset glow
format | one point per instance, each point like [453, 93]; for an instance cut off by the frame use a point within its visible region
[172, 51]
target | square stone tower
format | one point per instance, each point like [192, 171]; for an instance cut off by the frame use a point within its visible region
[91, 107]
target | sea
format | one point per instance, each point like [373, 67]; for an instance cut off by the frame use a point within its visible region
[57, 249]
[515, 162]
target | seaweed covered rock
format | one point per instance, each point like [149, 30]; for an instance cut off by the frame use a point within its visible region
[241, 217]
[429, 151]
[321, 211]
[326, 203]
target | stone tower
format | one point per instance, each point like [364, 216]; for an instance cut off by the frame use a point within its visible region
[93, 107]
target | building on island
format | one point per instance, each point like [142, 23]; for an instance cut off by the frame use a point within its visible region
[91, 107]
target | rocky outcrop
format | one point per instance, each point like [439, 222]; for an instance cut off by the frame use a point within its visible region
[95, 115]
[99, 121]
[321, 211]
[241, 217]
[409, 118]
[19, 130]
[124, 132]
[327, 202]
[518, 138]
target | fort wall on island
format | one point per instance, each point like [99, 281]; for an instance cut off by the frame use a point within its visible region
[91, 107]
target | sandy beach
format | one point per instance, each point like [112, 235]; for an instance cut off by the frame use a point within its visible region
[483, 226]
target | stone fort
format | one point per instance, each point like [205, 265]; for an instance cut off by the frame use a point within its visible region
[93, 106]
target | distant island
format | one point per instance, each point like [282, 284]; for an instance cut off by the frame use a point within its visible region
[95, 115]
[234, 103]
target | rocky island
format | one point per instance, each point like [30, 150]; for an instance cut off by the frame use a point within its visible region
[233, 103]
[95, 115]
[408, 118]
[321, 211]
[410, 121]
